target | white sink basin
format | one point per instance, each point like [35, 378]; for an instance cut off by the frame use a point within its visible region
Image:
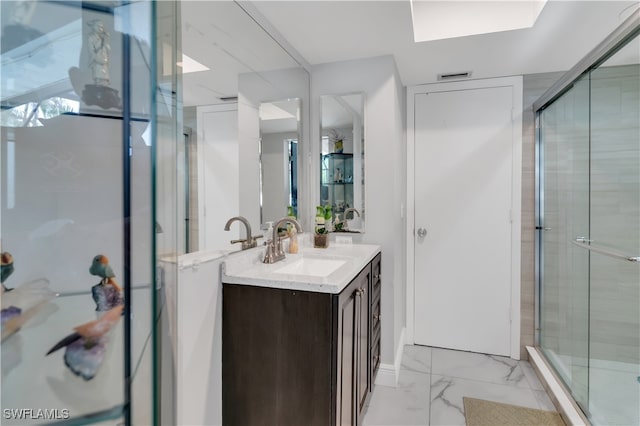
[312, 266]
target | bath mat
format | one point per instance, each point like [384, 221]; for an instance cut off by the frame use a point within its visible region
[478, 412]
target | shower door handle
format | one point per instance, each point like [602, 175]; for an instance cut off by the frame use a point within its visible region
[587, 244]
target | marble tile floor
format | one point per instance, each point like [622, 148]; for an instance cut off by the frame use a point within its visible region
[433, 381]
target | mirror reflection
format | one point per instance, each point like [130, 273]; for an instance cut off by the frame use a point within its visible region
[240, 87]
[342, 161]
[279, 136]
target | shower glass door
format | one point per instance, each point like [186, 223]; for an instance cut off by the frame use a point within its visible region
[614, 314]
[564, 146]
[589, 237]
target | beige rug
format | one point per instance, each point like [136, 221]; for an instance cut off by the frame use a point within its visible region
[479, 412]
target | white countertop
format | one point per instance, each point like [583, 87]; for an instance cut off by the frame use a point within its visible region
[247, 268]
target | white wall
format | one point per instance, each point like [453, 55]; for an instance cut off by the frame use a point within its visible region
[385, 176]
[254, 89]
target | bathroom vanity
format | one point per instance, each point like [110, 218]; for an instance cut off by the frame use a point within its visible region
[301, 337]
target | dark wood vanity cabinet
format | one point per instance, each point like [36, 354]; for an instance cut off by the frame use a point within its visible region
[294, 357]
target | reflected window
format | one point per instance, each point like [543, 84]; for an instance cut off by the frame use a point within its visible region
[29, 114]
[293, 174]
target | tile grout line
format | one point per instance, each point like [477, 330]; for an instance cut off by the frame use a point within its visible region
[430, 382]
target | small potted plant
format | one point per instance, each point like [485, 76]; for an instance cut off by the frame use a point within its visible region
[321, 238]
[337, 140]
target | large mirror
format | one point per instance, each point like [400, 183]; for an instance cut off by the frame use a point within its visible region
[342, 161]
[279, 136]
[241, 89]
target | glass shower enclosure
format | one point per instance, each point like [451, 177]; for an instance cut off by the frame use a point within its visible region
[88, 128]
[588, 229]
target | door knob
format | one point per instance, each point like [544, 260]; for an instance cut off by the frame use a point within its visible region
[422, 232]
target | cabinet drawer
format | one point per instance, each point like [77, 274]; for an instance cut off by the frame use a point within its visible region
[375, 299]
[376, 277]
[375, 334]
[375, 355]
[375, 315]
[376, 270]
[375, 291]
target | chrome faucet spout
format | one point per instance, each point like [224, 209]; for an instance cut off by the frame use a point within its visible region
[274, 251]
[250, 241]
[351, 209]
[282, 222]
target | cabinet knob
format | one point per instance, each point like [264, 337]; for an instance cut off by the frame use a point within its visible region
[376, 317]
[360, 291]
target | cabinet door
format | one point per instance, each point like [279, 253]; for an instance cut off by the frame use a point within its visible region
[346, 398]
[353, 349]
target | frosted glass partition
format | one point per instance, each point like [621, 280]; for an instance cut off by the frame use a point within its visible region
[589, 237]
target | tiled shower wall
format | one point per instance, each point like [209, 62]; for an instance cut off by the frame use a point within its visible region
[614, 310]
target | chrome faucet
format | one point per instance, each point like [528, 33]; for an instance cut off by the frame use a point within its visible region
[351, 209]
[346, 212]
[274, 251]
[250, 241]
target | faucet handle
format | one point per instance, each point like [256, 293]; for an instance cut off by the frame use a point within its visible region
[255, 237]
[246, 244]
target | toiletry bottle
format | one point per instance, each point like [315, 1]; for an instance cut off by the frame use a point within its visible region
[293, 240]
[269, 235]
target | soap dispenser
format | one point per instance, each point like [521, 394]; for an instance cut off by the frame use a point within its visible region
[269, 231]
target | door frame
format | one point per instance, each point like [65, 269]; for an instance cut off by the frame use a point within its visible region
[516, 195]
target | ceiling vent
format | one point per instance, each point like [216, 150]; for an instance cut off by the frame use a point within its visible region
[454, 75]
[229, 99]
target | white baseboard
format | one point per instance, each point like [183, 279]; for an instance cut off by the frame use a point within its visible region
[563, 403]
[388, 373]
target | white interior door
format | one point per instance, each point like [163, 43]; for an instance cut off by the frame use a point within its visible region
[463, 200]
[218, 171]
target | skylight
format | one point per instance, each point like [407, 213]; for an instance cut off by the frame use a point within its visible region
[437, 20]
[271, 111]
[189, 64]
